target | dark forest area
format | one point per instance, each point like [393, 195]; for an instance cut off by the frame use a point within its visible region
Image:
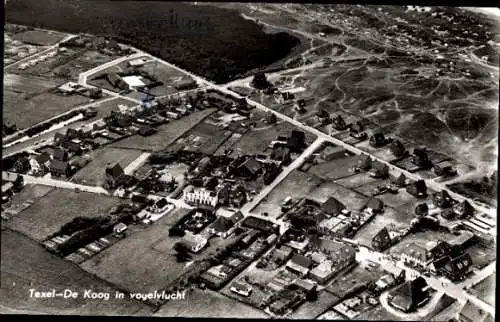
[212, 42]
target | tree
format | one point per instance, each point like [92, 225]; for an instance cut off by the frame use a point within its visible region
[397, 148]
[422, 210]
[260, 81]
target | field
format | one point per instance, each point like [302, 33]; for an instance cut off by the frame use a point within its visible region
[29, 100]
[93, 173]
[209, 304]
[390, 218]
[335, 169]
[25, 198]
[135, 263]
[485, 290]
[482, 256]
[83, 61]
[26, 265]
[296, 185]
[166, 74]
[343, 282]
[256, 140]
[350, 198]
[167, 133]
[39, 37]
[203, 137]
[48, 214]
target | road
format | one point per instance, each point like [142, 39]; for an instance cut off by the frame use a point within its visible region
[284, 173]
[82, 78]
[440, 284]
[420, 315]
[136, 163]
[63, 184]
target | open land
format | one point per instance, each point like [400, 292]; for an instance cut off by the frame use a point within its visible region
[58, 207]
[93, 173]
[27, 265]
[167, 133]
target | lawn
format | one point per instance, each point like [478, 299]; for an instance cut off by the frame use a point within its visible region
[26, 265]
[27, 110]
[209, 304]
[350, 198]
[390, 218]
[485, 290]
[166, 74]
[343, 282]
[167, 133]
[39, 37]
[203, 137]
[25, 198]
[335, 169]
[93, 173]
[48, 214]
[256, 140]
[296, 185]
[84, 61]
[142, 262]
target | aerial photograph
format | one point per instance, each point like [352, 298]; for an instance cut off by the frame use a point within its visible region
[249, 160]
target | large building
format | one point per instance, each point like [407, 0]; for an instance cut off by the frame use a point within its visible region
[200, 196]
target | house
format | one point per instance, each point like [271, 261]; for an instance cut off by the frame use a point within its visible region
[357, 131]
[200, 196]
[113, 176]
[14, 178]
[377, 139]
[332, 207]
[385, 282]
[40, 164]
[420, 158]
[397, 149]
[195, 243]
[241, 289]
[299, 264]
[374, 205]
[445, 168]
[59, 139]
[279, 306]
[338, 123]
[147, 131]
[400, 181]
[99, 125]
[281, 154]
[305, 285]
[119, 228]
[382, 240]
[458, 268]
[73, 146]
[186, 84]
[284, 97]
[416, 255]
[282, 254]
[472, 313]
[139, 62]
[250, 169]
[224, 226]
[160, 205]
[260, 224]
[464, 209]
[59, 168]
[379, 170]
[409, 295]
[272, 171]
[363, 162]
[341, 254]
[323, 272]
[442, 199]
[60, 154]
[332, 153]
[417, 188]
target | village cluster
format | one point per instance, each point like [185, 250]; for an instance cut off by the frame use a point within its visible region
[209, 170]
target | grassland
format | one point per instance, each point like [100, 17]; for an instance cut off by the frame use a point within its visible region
[167, 133]
[48, 214]
[135, 263]
[310, 310]
[485, 290]
[93, 173]
[29, 100]
[39, 37]
[209, 304]
[203, 137]
[26, 265]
